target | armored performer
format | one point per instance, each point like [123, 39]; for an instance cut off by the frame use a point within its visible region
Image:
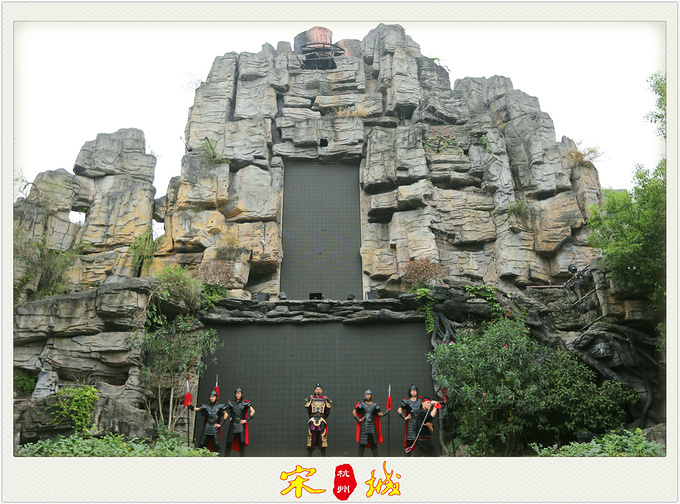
[423, 419]
[408, 406]
[369, 431]
[318, 408]
[240, 412]
[214, 415]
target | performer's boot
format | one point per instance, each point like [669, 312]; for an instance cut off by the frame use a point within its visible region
[309, 452]
[323, 452]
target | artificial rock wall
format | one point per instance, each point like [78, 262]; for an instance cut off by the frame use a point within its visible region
[470, 177]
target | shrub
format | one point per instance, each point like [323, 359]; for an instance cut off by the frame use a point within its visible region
[573, 402]
[24, 382]
[518, 207]
[142, 248]
[613, 444]
[42, 262]
[174, 282]
[76, 404]
[491, 384]
[84, 444]
[506, 390]
[421, 273]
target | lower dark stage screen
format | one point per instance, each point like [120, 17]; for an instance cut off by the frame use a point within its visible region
[277, 366]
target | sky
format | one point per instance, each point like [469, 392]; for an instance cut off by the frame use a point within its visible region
[75, 80]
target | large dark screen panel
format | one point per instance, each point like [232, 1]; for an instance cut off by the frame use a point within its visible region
[278, 365]
[321, 231]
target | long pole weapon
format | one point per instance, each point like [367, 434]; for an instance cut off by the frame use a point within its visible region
[388, 407]
[421, 428]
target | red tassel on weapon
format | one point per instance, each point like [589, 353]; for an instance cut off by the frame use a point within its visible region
[217, 389]
[187, 397]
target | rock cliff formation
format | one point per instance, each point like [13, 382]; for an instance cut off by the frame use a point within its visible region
[470, 177]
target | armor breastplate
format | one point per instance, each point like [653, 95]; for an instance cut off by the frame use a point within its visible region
[411, 407]
[238, 409]
[318, 408]
[211, 416]
[368, 411]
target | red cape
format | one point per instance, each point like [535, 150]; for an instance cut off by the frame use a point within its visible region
[378, 428]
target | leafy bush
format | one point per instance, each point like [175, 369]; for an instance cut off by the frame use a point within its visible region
[572, 402]
[613, 444]
[491, 384]
[518, 207]
[42, 262]
[506, 390]
[174, 282]
[423, 294]
[213, 292]
[24, 382]
[420, 273]
[143, 247]
[76, 404]
[84, 444]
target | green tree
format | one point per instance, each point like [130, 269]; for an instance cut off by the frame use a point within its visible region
[630, 227]
[657, 83]
[171, 344]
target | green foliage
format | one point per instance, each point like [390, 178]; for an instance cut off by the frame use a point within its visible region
[213, 292]
[142, 248]
[24, 382]
[45, 263]
[75, 403]
[518, 207]
[630, 228]
[443, 141]
[488, 293]
[84, 444]
[506, 390]
[483, 141]
[491, 384]
[175, 283]
[613, 444]
[657, 83]
[573, 402]
[170, 349]
[211, 154]
[423, 295]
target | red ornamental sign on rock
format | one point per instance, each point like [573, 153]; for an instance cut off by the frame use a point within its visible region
[344, 482]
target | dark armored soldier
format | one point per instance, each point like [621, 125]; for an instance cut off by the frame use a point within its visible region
[369, 431]
[318, 408]
[407, 407]
[240, 411]
[423, 420]
[214, 415]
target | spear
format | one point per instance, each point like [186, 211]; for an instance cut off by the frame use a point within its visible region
[388, 407]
